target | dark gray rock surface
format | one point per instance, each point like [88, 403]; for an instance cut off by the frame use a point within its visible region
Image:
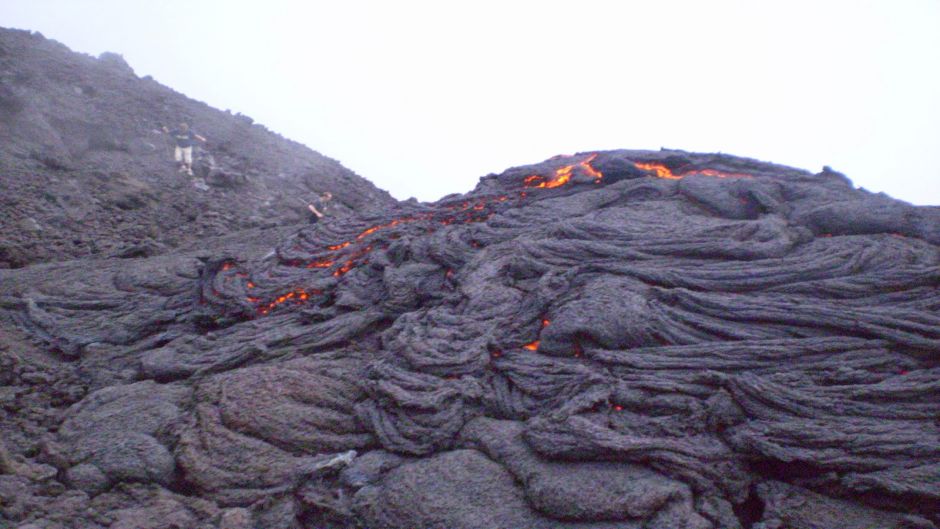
[624, 339]
[86, 170]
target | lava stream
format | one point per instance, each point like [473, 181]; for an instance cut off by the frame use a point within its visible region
[662, 171]
[563, 175]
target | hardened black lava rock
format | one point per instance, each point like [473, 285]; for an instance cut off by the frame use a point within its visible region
[623, 339]
[86, 169]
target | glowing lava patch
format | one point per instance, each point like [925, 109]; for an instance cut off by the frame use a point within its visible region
[298, 295]
[344, 256]
[563, 175]
[534, 346]
[662, 171]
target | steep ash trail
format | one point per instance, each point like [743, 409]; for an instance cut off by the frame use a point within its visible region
[621, 339]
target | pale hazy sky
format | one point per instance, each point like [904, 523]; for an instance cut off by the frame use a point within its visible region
[424, 97]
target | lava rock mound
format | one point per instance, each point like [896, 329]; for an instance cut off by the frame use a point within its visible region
[622, 339]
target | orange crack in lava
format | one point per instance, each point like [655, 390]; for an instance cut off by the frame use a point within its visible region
[299, 295]
[351, 262]
[563, 175]
[534, 346]
[662, 171]
[354, 259]
[390, 224]
[590, 170]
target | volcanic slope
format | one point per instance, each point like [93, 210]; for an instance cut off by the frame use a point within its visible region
[86, 170]
[616, 340]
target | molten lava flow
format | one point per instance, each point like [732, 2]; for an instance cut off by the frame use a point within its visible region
[664, 172]
[347, 266]
[718, 174]
[532, 180]
[343, 262]
[590, 170]
[561, 178]
[351, 261]
[298, 295]
[373, 229]
[534, 346]
[661, 170]
[392, 223]
[563, 175]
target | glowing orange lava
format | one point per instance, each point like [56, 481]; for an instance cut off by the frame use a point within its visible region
[662, 171]
[297, 295]
[563, 175]
[590, 170]
[342, 262]
[351, 262]
[534, 346]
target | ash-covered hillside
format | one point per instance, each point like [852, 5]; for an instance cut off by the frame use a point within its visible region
[85, 169]
[616, 340]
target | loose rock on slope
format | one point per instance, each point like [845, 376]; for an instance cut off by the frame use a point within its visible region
[86, 171]
[623, 339]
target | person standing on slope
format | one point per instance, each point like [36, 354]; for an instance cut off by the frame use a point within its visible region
[319, 206]
[185, 139]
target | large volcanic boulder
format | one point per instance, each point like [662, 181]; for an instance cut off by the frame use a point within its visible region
[85, 169]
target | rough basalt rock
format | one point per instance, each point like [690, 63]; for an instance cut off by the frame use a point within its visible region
[86, 170]
[623, 339]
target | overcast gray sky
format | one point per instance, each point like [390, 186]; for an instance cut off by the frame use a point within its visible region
[424, 97]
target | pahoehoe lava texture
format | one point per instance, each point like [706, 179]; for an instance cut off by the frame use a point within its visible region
[623, 339]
